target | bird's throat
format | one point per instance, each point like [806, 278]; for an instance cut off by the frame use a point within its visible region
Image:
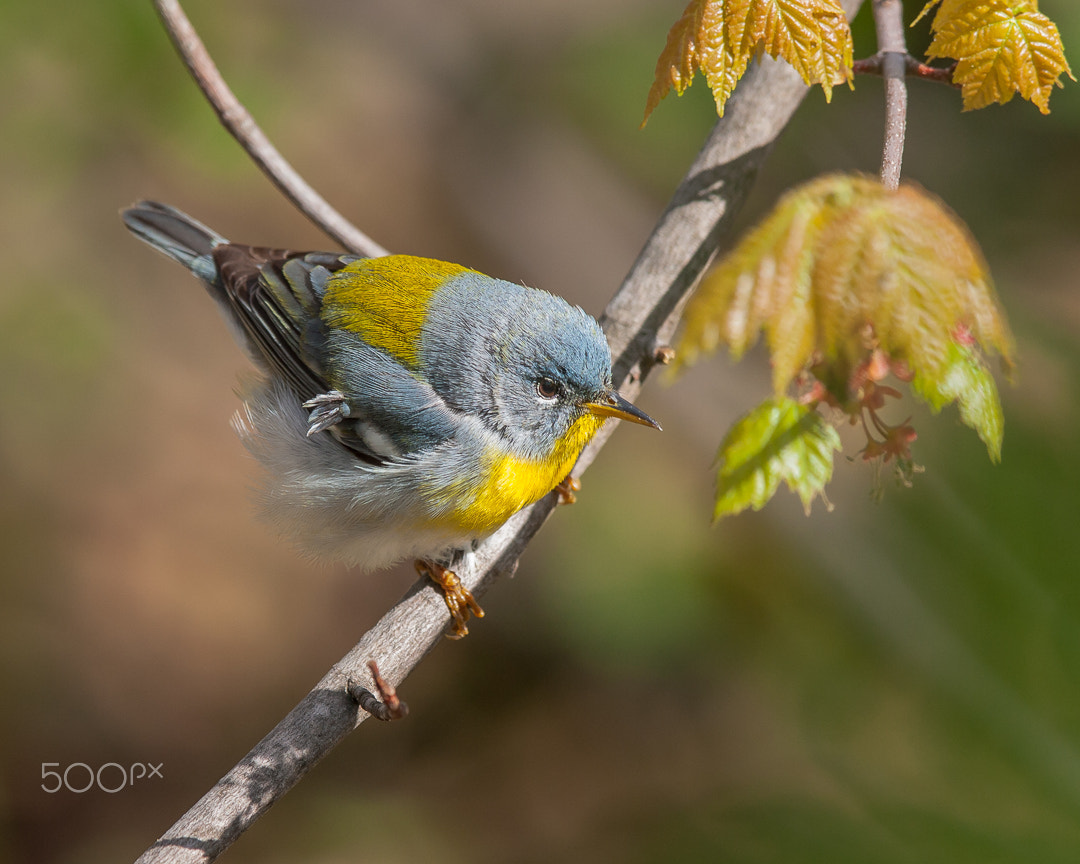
[512, 482]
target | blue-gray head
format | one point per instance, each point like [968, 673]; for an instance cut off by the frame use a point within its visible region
[527, 363]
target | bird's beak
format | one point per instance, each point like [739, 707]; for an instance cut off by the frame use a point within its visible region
[611, 404]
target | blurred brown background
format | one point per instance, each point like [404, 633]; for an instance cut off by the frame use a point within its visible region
[883, 683]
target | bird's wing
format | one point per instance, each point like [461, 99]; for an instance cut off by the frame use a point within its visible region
[276, 296]
[391, 408]
[367, 400]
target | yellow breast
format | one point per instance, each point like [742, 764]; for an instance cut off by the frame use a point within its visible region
[511, 482]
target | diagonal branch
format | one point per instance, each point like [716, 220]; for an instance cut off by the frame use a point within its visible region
[638, 321]
[245, 130]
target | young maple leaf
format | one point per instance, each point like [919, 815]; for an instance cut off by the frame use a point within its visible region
[848, 280]
[779, 441]
[721, 37]
[1002, 47]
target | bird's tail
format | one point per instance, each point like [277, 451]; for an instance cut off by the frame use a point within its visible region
[175, 234]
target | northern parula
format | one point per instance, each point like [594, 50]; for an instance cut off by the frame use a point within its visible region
[410, 406]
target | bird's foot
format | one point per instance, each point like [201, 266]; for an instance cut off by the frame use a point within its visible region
[459, 600]
[567, 490]
[327, 409]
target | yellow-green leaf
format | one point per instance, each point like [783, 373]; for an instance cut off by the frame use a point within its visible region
[813, 37]
[966, 380]
[1002, 47]
[840, 268]
[780, 440]
[766, 283]
[679, 60]
[720, 37]
[905, 264]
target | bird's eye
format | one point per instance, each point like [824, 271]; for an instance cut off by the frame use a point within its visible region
[547, 388]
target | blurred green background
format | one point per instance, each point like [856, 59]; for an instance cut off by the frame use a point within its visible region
[884, 683]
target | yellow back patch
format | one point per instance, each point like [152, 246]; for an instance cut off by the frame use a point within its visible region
[385, 301]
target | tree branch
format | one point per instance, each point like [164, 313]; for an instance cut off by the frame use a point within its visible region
[889, 24]
[638, 322]
[245, 130]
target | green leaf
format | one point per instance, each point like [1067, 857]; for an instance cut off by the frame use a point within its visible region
[965, 379]
[780, 440]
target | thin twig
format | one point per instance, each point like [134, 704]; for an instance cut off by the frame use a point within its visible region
[937, 74]
[245, 130]
[913, 68]
[390, 708]
[640, 318]
[889, 24]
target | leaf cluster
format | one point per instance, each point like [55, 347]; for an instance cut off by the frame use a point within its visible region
[721, 37]
[1000, 47]
[851, 282]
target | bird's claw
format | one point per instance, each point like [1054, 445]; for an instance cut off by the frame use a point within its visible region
[459, 600]
[567, 490]
[327, 409]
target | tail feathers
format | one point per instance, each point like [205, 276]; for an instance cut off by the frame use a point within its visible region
[175, 234]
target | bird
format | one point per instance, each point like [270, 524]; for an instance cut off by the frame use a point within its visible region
[407, 406]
